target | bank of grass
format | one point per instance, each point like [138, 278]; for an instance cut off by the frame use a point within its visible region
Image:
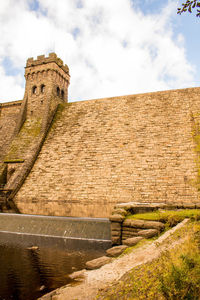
[175, 275]
[140, 244]
[170, 217]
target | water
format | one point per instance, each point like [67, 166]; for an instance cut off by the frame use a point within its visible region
[37, 253]
[28, 272]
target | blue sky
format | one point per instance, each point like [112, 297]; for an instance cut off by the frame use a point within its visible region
[189, 26]
[186, 24]
[112, 48]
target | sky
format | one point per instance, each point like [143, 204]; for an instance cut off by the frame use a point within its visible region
[112, 47]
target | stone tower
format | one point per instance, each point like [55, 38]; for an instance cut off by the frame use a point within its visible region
[47, 81]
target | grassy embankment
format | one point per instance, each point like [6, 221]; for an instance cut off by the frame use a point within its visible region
[175, 275]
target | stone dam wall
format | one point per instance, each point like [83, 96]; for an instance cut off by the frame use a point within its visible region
[142, 148]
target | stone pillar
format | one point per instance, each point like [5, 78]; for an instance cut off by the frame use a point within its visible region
[116, 219]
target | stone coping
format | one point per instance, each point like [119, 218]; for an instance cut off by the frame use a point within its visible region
[11, 103]
[149, 206]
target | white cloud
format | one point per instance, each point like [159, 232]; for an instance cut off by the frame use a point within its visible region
[10, 87]
[116, 50]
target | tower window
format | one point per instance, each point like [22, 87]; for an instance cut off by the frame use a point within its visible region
[62, 94]
[58, 91]
[34, 89]
[42, 88]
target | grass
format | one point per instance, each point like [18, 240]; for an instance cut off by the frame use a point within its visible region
[175, 275]
[169, 217]
[138, 245]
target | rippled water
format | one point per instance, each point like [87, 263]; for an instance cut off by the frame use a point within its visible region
[31, 266]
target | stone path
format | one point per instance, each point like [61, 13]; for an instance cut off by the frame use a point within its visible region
[96, 280]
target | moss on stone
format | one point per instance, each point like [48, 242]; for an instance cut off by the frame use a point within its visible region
[196, 139]
[14, 161]
[26, 137]
[58, 114]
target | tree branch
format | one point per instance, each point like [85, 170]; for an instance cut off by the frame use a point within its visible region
[189, 6]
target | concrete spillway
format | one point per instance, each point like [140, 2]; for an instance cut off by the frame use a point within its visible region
[62, 227]
[45, 250]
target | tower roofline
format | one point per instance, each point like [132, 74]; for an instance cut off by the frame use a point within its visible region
[41, 59]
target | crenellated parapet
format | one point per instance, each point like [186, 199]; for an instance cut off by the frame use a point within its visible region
[41, 59]
[50, 67]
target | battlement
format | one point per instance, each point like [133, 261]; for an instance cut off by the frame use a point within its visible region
[47, 80]
[41, 59]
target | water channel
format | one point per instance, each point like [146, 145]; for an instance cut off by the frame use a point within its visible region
[38, 253]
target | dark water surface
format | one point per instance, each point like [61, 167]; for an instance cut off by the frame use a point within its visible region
[27, 272]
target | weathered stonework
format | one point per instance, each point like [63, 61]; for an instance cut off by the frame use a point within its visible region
[9, 114]
[47, 81]
[107, 151]
[102, 152]
[130, 231]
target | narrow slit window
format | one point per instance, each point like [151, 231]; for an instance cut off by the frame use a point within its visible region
[42, 88]
[34, 89]
[62, 94]
[58, 91]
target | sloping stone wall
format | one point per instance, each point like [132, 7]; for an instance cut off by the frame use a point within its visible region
[102, 152]
[9, 113]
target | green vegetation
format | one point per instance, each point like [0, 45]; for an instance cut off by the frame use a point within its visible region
[175, 275]
[72, 118]
[21, 143]
[14, 160]
[196, 138]
[58, 114]
[197, 150]
[138, 245]
[188, 6]
[170, 217]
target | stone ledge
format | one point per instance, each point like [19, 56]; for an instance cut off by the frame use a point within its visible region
[143, 224]
[116, 251]
[132, 241]
[148, 233]
[97, 263]
[117, 218]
